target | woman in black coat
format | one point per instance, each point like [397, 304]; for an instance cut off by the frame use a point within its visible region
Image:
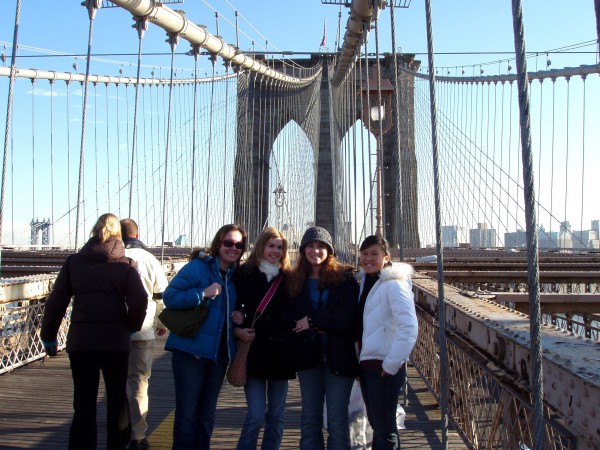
[268, 374]
[323, 300]
[109, 304]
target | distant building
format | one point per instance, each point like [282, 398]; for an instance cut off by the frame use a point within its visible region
[516, 239]
[547, 239]
[584, 238]
[182, 240]
[453, 236]
[483, 237]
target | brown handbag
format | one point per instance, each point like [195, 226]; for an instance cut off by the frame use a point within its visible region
[237, 372]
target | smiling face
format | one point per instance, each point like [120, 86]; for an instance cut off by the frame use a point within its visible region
[229, 255]
[372, 259]
[273, 251]
[316, 253]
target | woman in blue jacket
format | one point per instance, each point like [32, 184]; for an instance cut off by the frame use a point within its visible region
[199, 363]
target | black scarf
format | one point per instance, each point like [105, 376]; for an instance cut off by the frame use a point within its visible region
[133, 243]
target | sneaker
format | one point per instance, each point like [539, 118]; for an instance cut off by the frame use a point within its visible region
[141, 444]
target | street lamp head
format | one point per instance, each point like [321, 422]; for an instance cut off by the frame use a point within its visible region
[377, 113]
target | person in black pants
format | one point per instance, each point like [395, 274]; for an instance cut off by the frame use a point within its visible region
[109, 304]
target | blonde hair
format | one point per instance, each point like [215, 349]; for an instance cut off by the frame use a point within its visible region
[107, 226]
[261, 242]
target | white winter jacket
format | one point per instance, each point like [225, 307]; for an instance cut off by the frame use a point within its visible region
[154, 281]
[389, 321]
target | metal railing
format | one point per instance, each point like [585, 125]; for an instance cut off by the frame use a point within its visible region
[489, 410]
[20, 342]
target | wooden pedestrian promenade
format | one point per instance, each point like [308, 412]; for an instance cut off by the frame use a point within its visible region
[36, 410]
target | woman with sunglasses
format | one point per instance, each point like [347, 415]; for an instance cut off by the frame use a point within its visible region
[388, 329]
[323, 299]
[267, 384]
[199, 363]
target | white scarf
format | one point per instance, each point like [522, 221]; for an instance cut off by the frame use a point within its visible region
[270, 270]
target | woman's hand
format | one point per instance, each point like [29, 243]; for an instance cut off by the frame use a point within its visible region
[237, 317]
[213, 290]
[302, 325]
[244, 334]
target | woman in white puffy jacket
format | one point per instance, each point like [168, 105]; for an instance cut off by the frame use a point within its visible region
[387, 328]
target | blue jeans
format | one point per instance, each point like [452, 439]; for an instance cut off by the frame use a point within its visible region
[318, 385]
[266, 403]
[381, 400]
[197, 386]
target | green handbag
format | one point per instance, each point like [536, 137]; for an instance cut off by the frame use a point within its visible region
[185, 322]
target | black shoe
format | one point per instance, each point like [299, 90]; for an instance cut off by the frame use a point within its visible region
[141, 444]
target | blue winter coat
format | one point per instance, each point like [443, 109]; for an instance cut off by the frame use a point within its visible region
[186, 291]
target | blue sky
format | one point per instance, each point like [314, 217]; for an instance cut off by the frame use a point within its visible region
[483, 28]
[459, 27]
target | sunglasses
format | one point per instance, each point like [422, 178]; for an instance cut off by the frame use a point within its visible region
[229, 244]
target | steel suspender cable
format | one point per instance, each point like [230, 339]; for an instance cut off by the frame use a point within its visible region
[107, 145]
[225, 171]
[582, 156]
[195, 52]
[438, 235]
[213, 59]
[7, 133]
[52, 157]
[33, 80]
[96, 146]
[532, 240]
[172, 40]
[141, 25]
[380, 216]
[92, 6]
[397, 143]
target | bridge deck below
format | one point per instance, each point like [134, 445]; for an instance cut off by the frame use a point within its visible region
[36, 410]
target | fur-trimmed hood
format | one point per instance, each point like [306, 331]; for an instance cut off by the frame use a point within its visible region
[397, 271]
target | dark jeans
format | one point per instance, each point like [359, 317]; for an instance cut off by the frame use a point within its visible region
[319, 385]
[197, 386]
[381, 399]
[85, 369]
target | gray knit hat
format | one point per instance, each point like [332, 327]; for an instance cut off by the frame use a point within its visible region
[317, 234]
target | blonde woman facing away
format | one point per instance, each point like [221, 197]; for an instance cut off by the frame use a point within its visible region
[109, 304]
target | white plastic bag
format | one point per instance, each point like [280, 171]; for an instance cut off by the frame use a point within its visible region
[361, 433]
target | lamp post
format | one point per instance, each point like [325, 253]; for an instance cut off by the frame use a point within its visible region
[376, 113]
[279, 199]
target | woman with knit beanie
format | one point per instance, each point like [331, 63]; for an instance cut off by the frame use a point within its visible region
[323, 300]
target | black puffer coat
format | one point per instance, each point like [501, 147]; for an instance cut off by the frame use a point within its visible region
[109, 300]
[337, 320]
[265, 357]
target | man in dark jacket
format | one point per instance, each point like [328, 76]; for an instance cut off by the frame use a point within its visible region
[109, 303]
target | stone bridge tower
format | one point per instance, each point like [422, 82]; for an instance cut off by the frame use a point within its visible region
[260, 98]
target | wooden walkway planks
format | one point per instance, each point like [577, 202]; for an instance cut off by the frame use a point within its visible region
[35, 411]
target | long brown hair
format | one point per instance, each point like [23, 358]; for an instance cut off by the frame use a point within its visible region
[218, 239]
[331, 273]
[259, 246]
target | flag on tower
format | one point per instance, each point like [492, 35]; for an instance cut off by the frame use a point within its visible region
[323, 42]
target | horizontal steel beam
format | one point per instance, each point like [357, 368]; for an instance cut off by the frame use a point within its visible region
[571, 365]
